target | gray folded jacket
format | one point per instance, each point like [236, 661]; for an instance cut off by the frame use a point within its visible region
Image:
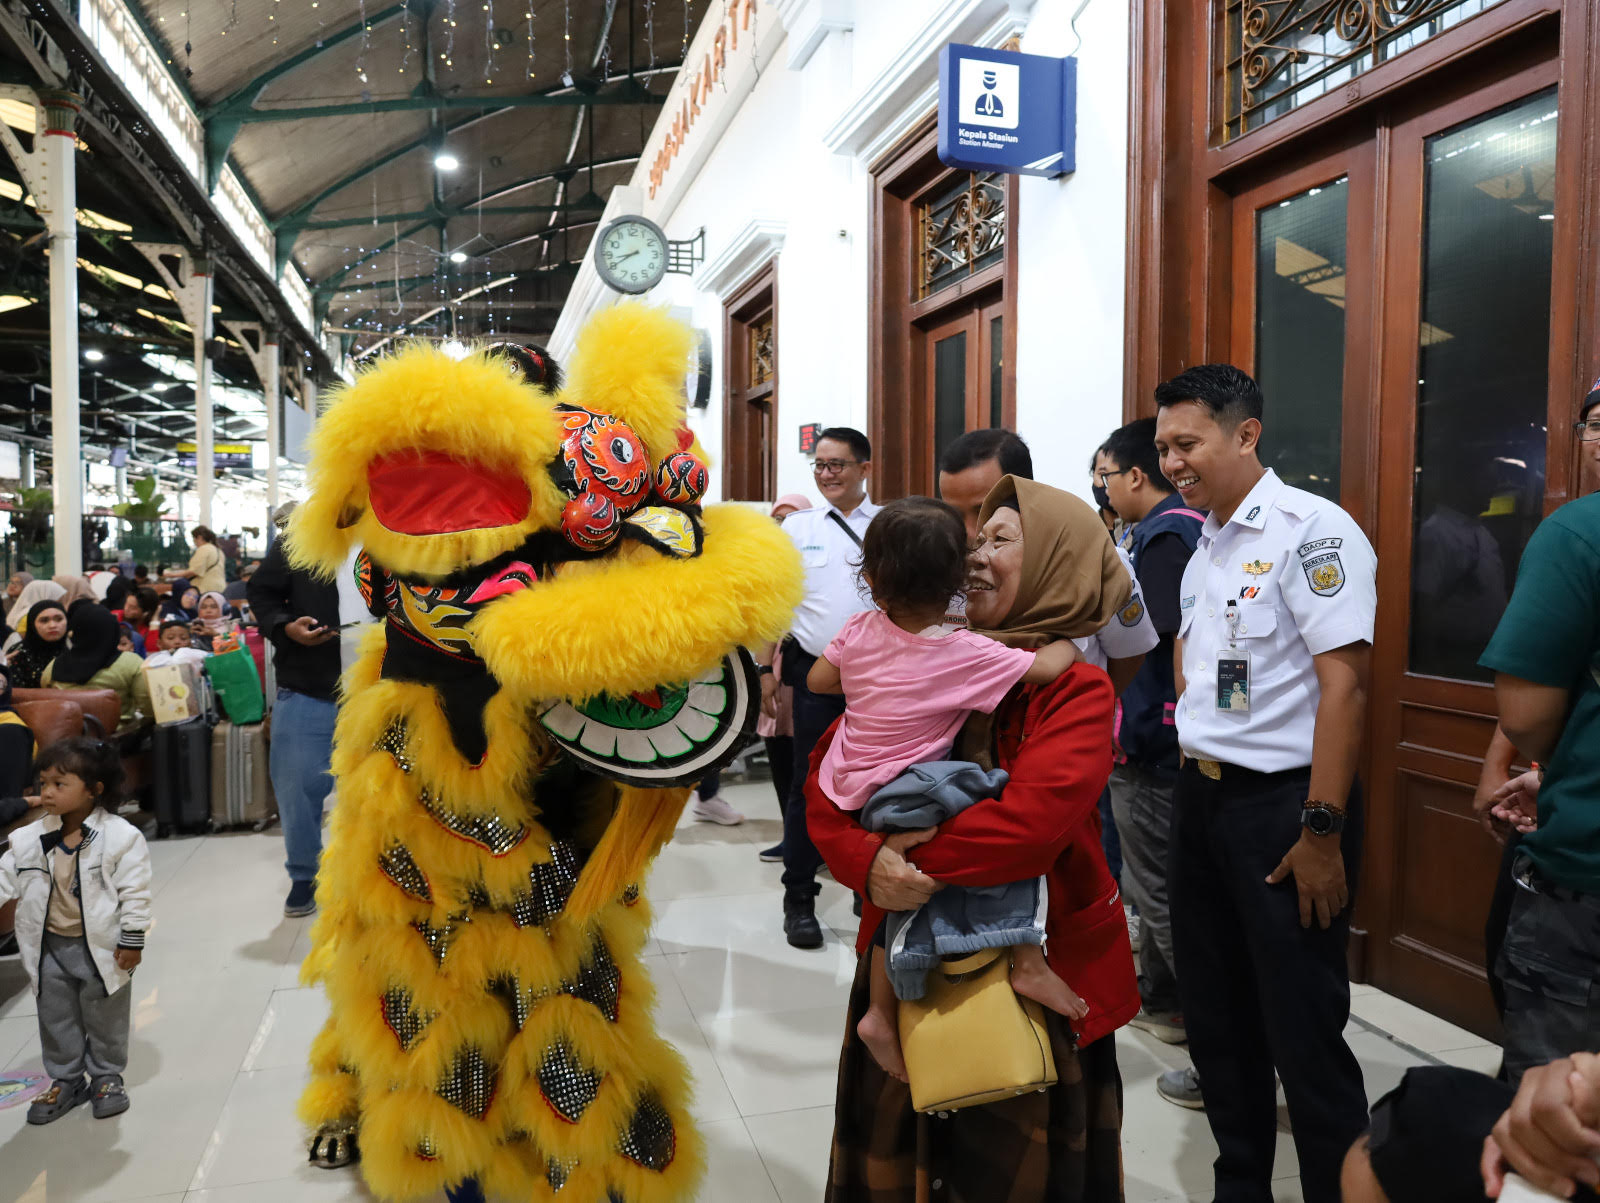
[958, 920]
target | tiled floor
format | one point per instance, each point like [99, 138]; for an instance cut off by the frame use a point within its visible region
[221, 1027]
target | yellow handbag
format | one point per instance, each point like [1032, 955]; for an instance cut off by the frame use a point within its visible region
[972, 1039]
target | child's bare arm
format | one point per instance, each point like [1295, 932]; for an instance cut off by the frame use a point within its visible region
[824, 677]
[1050, 661]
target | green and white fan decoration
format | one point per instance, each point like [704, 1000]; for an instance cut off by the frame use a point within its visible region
[671, 735]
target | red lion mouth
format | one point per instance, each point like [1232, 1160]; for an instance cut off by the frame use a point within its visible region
[429, 493]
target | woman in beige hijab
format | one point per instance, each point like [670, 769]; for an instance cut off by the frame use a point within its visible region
[1044, 570]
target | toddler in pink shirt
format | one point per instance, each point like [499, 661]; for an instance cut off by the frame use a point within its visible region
[909, 684]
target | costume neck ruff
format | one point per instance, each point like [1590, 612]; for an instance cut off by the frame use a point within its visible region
[430, 493]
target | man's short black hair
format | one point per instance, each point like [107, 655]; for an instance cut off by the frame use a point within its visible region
[860, 446]
[996, 443]
[1134, 446]
[1229, 393]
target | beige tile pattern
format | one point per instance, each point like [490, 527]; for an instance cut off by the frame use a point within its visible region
[221, 1027]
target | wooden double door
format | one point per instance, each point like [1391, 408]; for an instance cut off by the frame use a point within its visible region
[1393, 292]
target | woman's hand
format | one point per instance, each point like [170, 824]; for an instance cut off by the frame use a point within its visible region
[1548, 1134]
[769, 696]
[894, 883]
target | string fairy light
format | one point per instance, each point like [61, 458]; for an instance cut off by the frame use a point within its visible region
[532, 73]
[567, 36]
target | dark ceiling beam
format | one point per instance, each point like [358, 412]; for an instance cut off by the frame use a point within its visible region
[566, 172]
[443, 213]
[224, 119]
[463, 279]
[331, 283]
[624, 92]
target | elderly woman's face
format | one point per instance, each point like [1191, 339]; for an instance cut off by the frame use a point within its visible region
[52, 625]
[994, 570]
[209, 610]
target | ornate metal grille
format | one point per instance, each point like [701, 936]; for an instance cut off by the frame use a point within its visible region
[761, 352]
[1283, 53]
[960, 231]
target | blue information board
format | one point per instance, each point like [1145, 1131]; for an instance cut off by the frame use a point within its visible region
[1000, 110]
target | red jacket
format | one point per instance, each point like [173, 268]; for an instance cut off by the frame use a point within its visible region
[1055, 741]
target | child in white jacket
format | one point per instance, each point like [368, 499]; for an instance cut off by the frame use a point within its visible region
[81, 876]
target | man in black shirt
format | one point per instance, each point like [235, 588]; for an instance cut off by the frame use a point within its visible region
[1161, 537]
[299, 615]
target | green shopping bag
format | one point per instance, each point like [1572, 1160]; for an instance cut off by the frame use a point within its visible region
[238, 688]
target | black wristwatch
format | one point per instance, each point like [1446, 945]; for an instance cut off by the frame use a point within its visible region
[1321, 820]
[764, 670]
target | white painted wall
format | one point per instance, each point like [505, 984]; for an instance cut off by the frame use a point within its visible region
[1073, 236]
[770, 161]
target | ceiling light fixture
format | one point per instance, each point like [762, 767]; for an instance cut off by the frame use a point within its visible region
[94, 356]
[458, 256]
[445, 161]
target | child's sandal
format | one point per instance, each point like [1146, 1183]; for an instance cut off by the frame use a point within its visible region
[110, 1097]
[61, 1098]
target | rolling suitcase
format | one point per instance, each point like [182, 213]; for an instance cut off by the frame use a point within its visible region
[181, 771]
[241, 786]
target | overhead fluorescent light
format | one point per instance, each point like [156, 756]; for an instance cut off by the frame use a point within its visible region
[445, 161]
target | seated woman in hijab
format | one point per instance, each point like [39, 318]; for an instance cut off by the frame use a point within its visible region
[216, 624]
[182, 603]
[1044, 570]
[76, 589]
[32, 594]
[44, 637]
[93, 661]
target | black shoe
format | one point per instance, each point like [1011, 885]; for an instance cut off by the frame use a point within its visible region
[800, 926]
[302, 899]
[772, 855]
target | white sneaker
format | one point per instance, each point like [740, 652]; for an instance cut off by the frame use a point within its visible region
[715, 810]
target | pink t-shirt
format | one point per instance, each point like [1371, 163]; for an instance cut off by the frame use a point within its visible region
[906, 697]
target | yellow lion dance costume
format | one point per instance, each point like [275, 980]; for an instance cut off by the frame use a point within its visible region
[547, 635]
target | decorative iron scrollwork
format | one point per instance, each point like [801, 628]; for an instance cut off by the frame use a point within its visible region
[1283, 53]
[960, 231]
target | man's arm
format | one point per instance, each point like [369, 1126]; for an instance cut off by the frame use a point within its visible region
[1497, 761]
[268, 593]
[1317, 861]
[1122, 672]
[1532, 715]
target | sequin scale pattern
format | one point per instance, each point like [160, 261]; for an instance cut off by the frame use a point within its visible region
[404, 1020]
[649, 1138]
[567, 1086]
[469, 1084]
[489, 832]
[400, 867]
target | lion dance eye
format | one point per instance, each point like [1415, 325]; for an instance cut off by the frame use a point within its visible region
[681, 479]
[622, 450]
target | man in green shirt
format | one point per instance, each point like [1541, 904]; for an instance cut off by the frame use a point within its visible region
[1546, 659]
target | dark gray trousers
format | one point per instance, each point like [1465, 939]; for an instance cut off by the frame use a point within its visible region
[1142, 804]
[80, 1027]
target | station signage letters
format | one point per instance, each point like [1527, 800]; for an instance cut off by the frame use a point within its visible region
[1000, 110]
[710, 72]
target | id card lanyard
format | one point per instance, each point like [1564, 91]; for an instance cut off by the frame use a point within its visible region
[1233, 669]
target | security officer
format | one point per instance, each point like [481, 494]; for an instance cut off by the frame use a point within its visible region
[829, 538]
[1274, 650]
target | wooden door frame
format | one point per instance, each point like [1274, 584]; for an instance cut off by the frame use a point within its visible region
[1358, 431]
[897, 420]
[1428, 714]
[744, 479]
[1181, 180]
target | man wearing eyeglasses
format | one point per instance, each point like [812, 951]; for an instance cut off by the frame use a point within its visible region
[1546, 658]
[829, 538]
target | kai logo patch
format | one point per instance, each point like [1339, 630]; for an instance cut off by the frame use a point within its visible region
[1251, 516]
[1130, 614]
[1324, 573]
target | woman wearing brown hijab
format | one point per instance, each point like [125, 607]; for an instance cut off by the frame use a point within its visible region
[1044, 569]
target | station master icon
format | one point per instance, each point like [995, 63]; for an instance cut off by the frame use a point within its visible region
[990, 94]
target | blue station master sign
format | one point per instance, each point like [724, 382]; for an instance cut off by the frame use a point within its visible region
[1000, 110]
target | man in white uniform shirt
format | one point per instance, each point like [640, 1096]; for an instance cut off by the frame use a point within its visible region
[1274, 652]
[829, 538]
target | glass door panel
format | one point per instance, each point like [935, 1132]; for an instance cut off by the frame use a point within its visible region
[1300, 285]
[1483, 378]
[952, 371]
